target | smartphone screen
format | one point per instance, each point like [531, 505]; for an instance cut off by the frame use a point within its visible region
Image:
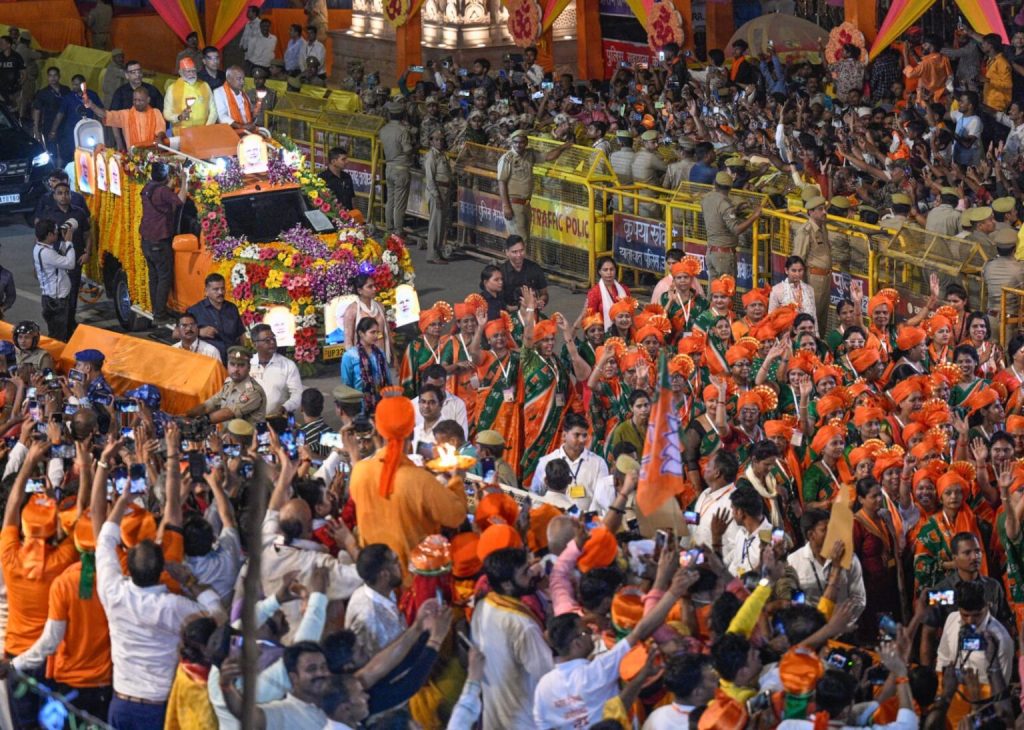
[262, 438]
[119, 476]
[137, 479]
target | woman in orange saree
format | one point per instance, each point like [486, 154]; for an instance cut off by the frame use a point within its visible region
[425, 350]
[499, 397]
[462, 375]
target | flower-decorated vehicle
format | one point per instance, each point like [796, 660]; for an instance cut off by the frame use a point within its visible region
[285, 246]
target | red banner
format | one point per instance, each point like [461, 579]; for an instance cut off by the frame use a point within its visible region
[617, 52]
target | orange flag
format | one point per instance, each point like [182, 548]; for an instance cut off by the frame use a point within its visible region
[661, 469]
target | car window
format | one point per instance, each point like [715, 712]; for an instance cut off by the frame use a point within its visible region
[261, 217]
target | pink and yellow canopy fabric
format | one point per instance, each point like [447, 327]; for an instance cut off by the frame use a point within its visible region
[230, 20]
[983, 15]
[181, 17]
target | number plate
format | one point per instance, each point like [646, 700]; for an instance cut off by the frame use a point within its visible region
[15, 198]
[333, 352]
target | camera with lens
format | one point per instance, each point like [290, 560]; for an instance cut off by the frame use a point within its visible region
[193, 432]
[970, 639]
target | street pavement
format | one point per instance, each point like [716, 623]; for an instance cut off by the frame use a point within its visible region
[451, 283]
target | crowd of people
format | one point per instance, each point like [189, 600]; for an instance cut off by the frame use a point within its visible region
[710, 509]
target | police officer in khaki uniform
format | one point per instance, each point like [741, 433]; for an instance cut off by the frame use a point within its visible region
[813, 246]
[1004, 210]
[437, 178]
[241, 397]
[648, 169]
[944, 218]
[1003, 271]
[398, 147]
[842, 245]
[515, 181]
[678, 172]
[982, 224]
[724, 227]
[621, 159]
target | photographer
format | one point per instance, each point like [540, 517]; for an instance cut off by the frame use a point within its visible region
[160, 207]
[969, 630]
[64, 212]
[54, 258]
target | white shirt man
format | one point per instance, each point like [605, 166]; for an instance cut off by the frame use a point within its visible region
[52, 263]
[578, 686]
[199, 347]
[219, 567]
[220, 100]
[785, 292]
[814, 574]
[280, 380]
[261, 48]
[950, 653]
[315, 50]
[148, 621]
[708, 504]
[251, 30]
[743, 553]
[374, 618]
[587, 470]
[453, 409]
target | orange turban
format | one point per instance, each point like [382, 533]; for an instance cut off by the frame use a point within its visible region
[502, 324]
[540, 516]
[627, 607]
[724, 284]
[599, 550]
[752, 397]
[463, 310]
[395, 419]
[681, 365]
[859, 454]
[465, 563]
[856, 390]
[631, 358]
[757, 295]
[740, 351]
[626, 305]
[804, 361]
[543, 329]
[904, 389]
[981, 398]
[38, 524]
[878, 300]
[931, 472]
[138, 524]
[497, 537]
[950, 479]
[865, 414]
[884, 463]
[440, 312]
[689, 265]
[924, 446]
[826, 372]
[824, 435]
[909, 337]
[593, 319]
[724, 713]
[778, 429]
[494, 507]
[828, 405]
[648, 331]
[186, 64]
[1014, 424]
[937, 322]
[864, 358]
[691, 344]
[780, 320]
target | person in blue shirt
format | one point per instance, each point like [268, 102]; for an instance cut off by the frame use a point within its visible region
[71, 112]
[86, 382]
[219, 322]
[364, 367]
[704, 171]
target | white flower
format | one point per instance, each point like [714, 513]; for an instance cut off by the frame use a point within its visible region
[238, 275]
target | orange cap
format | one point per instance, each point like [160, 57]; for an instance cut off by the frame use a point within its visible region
[496, 508]
[540, 517]
[599, 550]
[497, 537]
[465, 562]
[137, 525]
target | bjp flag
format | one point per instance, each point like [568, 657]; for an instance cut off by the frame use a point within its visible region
[661, 469]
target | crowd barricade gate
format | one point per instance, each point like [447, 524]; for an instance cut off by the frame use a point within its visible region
[294, 115]
[89, 62]
[646, 221]
[1011, 315]
[358, 132]
[907, 258]
[567, 229]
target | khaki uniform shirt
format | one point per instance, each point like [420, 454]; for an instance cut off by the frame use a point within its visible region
[892, 222]
[1002, 271]
[812, 245]
[648, 168]
[246, 400]
[37, 358]
[677, 173]
[516, 171]
[720, 219]
[986, 243]
[841, 246]
[944, 219]
[622, 162]
[437, 170]
[396, 143]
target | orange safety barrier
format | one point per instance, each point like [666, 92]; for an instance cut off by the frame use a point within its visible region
[281, 20]
[53, 23]
[54, 347]
[185, 379]
[145, 38]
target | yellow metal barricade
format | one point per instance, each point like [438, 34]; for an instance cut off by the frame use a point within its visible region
[294, 115]
[1011, 313]
[567, 229]
[89, 62]
[357, 132]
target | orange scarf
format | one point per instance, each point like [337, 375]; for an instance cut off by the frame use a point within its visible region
[141, 128]
[233, 109]
[735, 69]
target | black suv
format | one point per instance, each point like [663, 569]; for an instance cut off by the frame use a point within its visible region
[24, 166]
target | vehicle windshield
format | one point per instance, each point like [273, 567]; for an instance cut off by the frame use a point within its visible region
[261, 217]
